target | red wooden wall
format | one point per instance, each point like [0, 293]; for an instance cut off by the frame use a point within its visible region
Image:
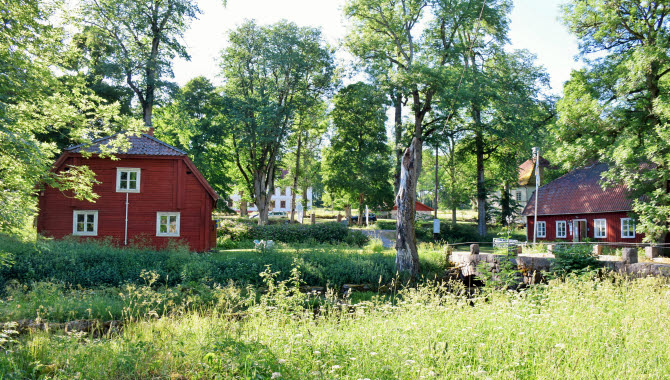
[167, 184]
[613, 227]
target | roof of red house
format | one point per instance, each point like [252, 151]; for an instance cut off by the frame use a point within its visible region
[418, 206]
[527, 171]
[580, 192]
[139, 145]
[142, 145]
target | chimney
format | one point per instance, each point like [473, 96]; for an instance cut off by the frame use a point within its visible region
[150, 132]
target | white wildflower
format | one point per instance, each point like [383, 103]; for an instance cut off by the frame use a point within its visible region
[373, 353]
[335, 367]
[560, 345]
[276, 375]
[282, 361]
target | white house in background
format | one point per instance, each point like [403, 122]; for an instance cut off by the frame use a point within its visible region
[280, 200]
[525, 188]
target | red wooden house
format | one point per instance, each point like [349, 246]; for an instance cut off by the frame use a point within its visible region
[575, 207]
[153, 193]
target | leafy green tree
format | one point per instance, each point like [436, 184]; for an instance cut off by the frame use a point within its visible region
[357, 165]
[271, 72]
[193, 122]
[616, 109]
[35, 102]
[146, 36]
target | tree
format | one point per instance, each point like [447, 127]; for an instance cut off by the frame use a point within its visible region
[387, 32]
[271, 72]
[146, 36]
[357, 165]
[193, 122]
[34, 103]
[616, 109]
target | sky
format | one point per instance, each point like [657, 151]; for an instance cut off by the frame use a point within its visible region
[535, 26]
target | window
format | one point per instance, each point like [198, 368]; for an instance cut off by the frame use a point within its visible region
[282, 204]
[518, 195]
[600, 228]
[85, 223]
[541, 229]
[627, 228]
[167, 224]
[561, 229]
[127, 180]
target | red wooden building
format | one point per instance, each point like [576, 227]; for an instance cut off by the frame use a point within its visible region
[152, 193]
[575, 207]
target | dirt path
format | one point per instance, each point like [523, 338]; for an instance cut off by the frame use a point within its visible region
[384, 235]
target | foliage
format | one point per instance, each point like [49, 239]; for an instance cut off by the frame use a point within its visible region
[145, 37]
[329, 233]
[528, 334]
[192, 122]
[615, 109]
[271, 73]
[356, 164]
[576, 259]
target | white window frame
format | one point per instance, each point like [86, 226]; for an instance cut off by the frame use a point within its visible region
[128, 170]
[631, 221]
[167, 214]
[596, 229]
[558, 229]
[95, 223]
[518, 196]
[544, 227]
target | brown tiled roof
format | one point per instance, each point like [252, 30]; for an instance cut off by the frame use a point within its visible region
[579, 192]
[527, 171]
[144, 145]
[418, 206]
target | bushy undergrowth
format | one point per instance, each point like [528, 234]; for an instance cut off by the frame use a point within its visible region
[573, 258]
[330, 233]
[91, 264]
[566, 329]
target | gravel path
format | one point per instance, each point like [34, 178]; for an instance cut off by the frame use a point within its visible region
[382, 235]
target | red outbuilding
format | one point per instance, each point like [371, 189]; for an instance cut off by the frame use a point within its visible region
[575, 207]
[153, 193]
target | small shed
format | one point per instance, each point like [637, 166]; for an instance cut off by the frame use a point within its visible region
[422, 211]
[575, 207]
[152, 194]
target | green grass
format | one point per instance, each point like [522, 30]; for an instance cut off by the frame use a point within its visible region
[572, 329]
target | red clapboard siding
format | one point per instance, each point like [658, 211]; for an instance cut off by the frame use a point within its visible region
[613, 227]
[167, 184]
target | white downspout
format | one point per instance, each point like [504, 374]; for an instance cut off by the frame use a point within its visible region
[125, 237]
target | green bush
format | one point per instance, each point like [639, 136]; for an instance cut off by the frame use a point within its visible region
[330, 233]
[578, 259]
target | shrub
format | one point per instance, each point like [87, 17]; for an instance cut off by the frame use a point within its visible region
[578, 259]
[331, 233]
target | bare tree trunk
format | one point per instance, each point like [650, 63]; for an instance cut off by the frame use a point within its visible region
[243, 205]
[481, 185]
[347, 213]
[263, 186]
[397, 103]
[436, 178]
[294, 190]
[361, 200]
[407, 256]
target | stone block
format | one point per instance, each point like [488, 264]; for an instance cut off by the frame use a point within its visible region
[519, 249]
[629, 256]
[474, 249]
[651, 252]
[597, 249]
[312, 219]
[550, 248]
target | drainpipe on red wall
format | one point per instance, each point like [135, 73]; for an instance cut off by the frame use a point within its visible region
[125, 236]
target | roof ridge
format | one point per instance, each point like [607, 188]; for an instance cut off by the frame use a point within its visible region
[96, 141]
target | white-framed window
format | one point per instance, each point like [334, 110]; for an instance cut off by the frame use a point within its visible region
[128, 180]
[599, 228]
[518, 195]
[85, 223]
[561, 229]
[541, 229]
[627, 228]
[167, 223]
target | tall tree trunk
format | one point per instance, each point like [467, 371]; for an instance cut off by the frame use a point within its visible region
[294, 190]
[407, 256]
[437, 155]
[263, 185]
[397, 103]
[347, 213]
[506, 210]
[361, 200]
[481, 184]
[243, 205]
